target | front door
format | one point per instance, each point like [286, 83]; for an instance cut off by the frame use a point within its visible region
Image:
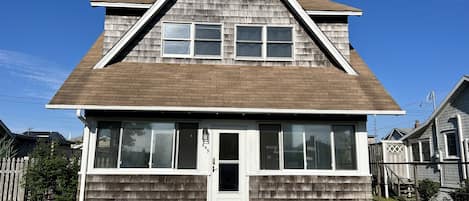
[229, 181]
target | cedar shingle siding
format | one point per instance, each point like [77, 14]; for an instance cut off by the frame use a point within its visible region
[145, 187]
[280, 188]
[229, 13]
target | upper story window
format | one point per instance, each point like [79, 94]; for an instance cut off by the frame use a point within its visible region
[186, 40]
[307, 146]
[146, 145]
[264, 42]
[421, 151]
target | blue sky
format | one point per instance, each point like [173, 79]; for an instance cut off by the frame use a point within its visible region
[412, 46]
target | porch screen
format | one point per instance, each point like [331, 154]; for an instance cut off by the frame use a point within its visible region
[345, 154]
[269, 134]
[107, 144]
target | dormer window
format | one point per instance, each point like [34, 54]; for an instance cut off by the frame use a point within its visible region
[192, 40]
[259, 42]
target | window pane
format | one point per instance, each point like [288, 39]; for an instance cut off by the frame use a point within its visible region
[345, 154]
[187, 154]
[249, 49]
[136, 139]
[318, 147]
[207, 48]
[293, 147]
[426, 151]
[269, 146]
[107, 145]
[162, 145]
[451, 144]
[279, 50]
[228, 177]
[180, 31]
[229, 146]
[176, 47]
[415, 152]
[279, 33]
[207, 31]
[249, 33]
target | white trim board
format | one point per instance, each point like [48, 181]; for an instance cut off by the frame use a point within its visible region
[130, 34]
[226, 109]
[146, 6]
[295, 8]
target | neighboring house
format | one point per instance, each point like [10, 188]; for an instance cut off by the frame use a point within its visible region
[224, 100]
[25, 143]
[397, 133]
[444, 137]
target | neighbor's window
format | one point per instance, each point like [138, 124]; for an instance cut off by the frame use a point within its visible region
[178, 40]
[308, 146]
[107, 145]
[415, 152]
[264, 42]
[146, 145]
[451, 144]
[269, 144]
[426, 155]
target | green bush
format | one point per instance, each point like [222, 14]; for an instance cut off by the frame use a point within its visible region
[427, 188]
[52, 175]
[461, 193]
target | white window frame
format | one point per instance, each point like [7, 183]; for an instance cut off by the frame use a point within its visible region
[445, 134]
[420, 151]
[264, 41]
[192, 41]
[149, 170]
[305, 168]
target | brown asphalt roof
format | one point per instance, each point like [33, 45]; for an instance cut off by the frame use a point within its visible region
[191, 85]
[320, 5]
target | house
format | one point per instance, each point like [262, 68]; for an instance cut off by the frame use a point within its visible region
[224, 100]
[443, 139]
[397, 133]
[24, 143]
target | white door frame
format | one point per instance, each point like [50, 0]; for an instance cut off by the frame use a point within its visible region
[243, 185]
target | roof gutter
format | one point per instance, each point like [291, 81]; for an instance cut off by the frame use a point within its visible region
[225, 110]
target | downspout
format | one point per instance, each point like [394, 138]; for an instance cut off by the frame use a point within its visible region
[440, 153]
[461, 146]
[84, 155]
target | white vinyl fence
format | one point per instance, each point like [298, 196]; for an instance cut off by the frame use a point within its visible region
[11, 178]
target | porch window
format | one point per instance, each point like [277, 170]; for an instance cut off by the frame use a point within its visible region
[264, 42]
[451, 144]
[269, 143]
[146, 145]
[345, 154]
[179, 40]
[308, 147]
[107, 145]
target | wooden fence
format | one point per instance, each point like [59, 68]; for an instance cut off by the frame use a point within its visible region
[11, 178]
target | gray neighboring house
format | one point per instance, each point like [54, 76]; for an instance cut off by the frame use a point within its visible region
[397, 133]
[444, 137]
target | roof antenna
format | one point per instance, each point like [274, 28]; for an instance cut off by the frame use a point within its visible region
[431, 97]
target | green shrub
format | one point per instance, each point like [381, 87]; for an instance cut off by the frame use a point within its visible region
[461, 193]
[427, 188]
[7, 149]
[52, 175]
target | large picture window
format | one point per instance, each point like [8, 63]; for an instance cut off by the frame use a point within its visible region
[308, 146]
[264, 42]
[146, 145]
[180, 41]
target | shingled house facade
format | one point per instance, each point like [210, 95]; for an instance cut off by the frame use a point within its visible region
[224, 100]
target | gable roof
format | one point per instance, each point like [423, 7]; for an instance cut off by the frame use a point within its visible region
[5, 129]
[464, 80]
[309, 5]
[293, 5]
[222, 88]
[400, 131]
